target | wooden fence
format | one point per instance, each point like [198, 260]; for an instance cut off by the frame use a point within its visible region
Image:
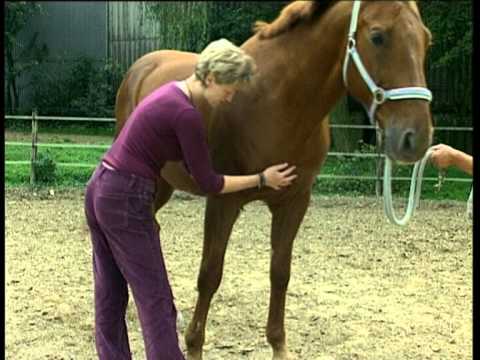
[35, 118]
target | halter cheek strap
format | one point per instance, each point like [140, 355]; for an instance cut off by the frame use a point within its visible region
[379, 94]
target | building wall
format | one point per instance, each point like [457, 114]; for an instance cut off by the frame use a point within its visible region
[132, 33]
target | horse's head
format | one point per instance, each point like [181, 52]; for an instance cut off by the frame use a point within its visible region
[384, 70]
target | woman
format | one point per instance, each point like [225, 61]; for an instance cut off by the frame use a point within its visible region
[165, 126]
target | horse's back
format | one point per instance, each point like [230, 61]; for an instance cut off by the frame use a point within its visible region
[148, 73]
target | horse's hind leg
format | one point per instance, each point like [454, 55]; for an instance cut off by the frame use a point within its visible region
[220, 215]
[286, 219]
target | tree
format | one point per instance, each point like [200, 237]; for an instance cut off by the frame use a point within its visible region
[19, 58]
[191, 25]
[234, 20]
[451, 25]
[449, 59]
[183, 24]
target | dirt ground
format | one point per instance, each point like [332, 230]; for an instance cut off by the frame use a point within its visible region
[360, 288]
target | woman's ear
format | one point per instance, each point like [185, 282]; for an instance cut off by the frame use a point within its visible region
[209, 79]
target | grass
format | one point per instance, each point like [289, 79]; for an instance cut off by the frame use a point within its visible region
[59, 155]
[367, 167]
[16, 175]
[76, 176]
[63, 127]
[19, 174]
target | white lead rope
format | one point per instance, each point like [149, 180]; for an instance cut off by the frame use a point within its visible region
[379, 96]
[415, 189]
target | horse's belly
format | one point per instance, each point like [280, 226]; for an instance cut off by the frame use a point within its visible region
[175, 173]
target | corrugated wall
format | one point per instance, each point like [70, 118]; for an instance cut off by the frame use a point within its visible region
[131, 33]
[128, 39]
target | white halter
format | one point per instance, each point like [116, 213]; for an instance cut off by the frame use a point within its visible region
[380, 95]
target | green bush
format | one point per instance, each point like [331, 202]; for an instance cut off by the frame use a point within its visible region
[87, 88]
[348, 166]
[45, 168]
[361, 166]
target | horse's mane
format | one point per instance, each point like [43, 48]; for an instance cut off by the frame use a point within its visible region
[299, 11]
[291, 15]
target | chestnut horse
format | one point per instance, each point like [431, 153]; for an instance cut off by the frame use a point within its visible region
[283, 117]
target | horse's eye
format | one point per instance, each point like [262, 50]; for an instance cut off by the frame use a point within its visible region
[377, 39]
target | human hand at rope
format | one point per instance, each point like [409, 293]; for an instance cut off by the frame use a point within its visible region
[444, 156]
[278, 176]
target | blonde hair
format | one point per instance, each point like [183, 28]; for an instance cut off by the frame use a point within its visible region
[226, 62]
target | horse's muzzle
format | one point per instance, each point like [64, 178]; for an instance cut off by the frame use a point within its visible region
[405, 145]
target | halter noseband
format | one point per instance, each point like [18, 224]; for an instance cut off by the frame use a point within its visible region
[380, 95]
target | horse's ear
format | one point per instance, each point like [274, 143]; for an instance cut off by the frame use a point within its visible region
[289, 16]
[413, 5]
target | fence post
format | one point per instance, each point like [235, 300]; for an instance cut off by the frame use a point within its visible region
[34, 146]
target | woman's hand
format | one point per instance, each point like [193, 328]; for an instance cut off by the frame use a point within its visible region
[278, 176]
[443, 156]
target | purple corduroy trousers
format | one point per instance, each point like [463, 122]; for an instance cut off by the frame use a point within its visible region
[126, 251]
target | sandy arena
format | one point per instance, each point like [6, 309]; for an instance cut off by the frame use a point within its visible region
[361, 288]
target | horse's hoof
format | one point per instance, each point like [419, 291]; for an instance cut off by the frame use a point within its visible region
[283, 355]
[194, 356]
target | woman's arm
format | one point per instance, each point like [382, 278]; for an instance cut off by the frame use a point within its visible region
[444, 156]
[238, 183]
[276, 177]
[191, 136]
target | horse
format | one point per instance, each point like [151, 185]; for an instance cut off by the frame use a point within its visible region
[308, 57]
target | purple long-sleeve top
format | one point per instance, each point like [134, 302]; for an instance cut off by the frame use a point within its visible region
[165, 126]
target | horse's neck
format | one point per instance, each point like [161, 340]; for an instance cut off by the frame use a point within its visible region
[310, 59]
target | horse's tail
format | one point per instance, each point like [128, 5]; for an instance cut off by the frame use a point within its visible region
[122, 106]
[129, 91]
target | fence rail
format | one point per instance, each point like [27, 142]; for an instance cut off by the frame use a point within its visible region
[58, 118]
[88, 119]
[35, 145]
[55, 145]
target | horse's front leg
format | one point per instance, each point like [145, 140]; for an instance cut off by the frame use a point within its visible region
[220, 215]
[286, 219]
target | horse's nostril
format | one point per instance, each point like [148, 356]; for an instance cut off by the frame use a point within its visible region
[408, 140]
